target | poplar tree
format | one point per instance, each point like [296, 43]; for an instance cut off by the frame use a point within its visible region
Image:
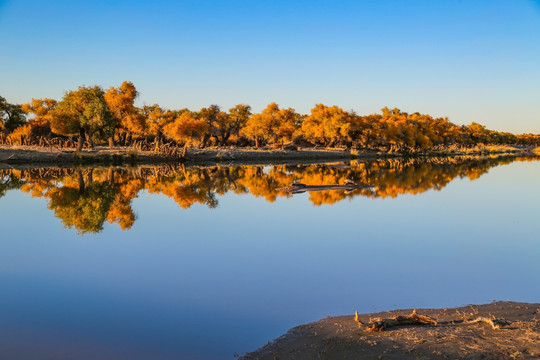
[84, 112]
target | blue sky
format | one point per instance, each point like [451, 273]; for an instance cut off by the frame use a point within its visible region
[468, 60]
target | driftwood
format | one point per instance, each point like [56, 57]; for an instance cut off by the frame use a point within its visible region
[380, 324]
[496, 324]
[297, 188]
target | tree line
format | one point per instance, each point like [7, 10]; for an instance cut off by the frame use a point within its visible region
[92, 115]
[86, 198]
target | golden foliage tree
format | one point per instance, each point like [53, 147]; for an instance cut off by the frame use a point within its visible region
[327, 125]
[40, 124]
[238, 117]
[186, 129]
[83, 111]
[217, 122]
[272, 125]
[127, 117]
[156, 119]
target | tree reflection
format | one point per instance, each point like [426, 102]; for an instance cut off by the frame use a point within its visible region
[85, 207]
[85, 198]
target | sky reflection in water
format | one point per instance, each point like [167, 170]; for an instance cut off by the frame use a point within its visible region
[214, 261]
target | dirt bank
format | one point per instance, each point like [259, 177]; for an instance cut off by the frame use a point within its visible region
[460, 333]
[34, 154]
[122, 155]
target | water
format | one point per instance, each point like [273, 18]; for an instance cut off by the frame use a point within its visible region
[202, 263]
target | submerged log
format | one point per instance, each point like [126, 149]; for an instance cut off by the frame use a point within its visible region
[297, 188]
[380, 324]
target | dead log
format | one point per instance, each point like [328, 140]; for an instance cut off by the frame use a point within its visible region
[496, 324]
[380, 324]
[297, 188]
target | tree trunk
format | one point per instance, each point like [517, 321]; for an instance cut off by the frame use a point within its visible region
[89, 141]
[81, 182]
[111, 141]
[157, 141]
[184, 151]
[123, 139]
[110, 175]
[225, 138]
[90, 177]
[81, 139]
[206, 137]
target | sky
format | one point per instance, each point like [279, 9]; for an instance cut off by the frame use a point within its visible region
[468, 60]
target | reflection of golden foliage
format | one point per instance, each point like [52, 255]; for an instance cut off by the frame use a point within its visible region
[85, 198]
[121, 213]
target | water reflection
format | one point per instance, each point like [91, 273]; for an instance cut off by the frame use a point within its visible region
[84, 198]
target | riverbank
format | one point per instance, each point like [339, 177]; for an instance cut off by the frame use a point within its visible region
[460, 333]
[119, 155]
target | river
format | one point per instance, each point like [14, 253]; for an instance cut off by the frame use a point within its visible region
[170, 262]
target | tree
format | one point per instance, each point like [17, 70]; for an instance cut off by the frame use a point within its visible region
[225, 125]
[11, 115]
[217, 122]
[238, 117]
[40, 124]
[83, 111]
[327, 125]
[478, 133]
[39, 107]
[127, 118]
[156, 119]
[272, 125]
[187, 129]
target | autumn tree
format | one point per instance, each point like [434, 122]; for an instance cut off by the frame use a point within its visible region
[11, 115]
[40, 109]
[222, 125]
[477, 133]
[272, 125]
[217, 122]
[84, 112]
[127, 118]
[156, 119]
[186, 129]
[327, 125]
[89, 112]
[238, 117]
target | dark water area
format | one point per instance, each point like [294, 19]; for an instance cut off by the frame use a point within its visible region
[172, 262]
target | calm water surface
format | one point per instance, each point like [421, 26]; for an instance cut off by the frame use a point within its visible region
[203, 263]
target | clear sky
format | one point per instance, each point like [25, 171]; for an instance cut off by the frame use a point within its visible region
[469, 60]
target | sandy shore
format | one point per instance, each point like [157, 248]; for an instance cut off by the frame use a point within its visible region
[456, 336]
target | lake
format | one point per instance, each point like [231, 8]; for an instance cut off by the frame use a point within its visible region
[170, 262]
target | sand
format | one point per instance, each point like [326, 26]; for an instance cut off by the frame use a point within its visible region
[456, 336]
